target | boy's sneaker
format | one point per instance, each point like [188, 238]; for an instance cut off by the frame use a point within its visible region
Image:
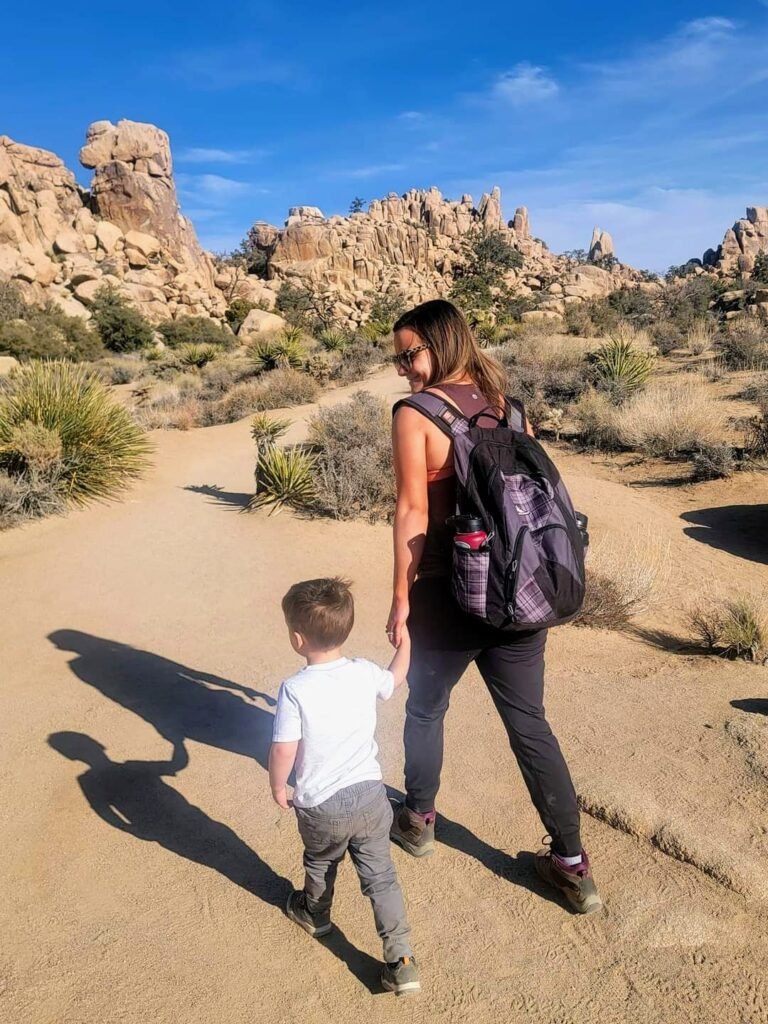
[316, 924]
[574, 881]
[412, 831]
[401, 978]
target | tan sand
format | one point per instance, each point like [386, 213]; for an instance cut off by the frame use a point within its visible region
[135, 896]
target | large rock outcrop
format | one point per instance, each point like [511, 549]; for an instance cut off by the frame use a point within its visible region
[741, 244]
[62, 243]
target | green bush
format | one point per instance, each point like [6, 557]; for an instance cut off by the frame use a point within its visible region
[278, 353]
[353, 475]
[334, 341]
[102, 448]
[237, 311]
[48, 333]
[198, 355]
[284, 477]
[121, 327]
[760, 269]
[387, 308]
[119, 370]
[621, 369]
[266, 430]
[358, 359]
[294, 303]
[196, 330]
[12, 304]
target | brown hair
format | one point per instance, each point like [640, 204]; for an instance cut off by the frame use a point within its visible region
[323, 611]
[454, 347]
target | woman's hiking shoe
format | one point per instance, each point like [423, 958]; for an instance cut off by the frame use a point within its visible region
[296, 908]
[575, 881]
[414, 832]
[401, 978]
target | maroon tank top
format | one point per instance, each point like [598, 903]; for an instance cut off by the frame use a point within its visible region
[441, 493]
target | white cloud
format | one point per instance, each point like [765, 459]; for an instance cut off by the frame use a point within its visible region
[524, 84]
[204, 155]
[415, 117]
[369, 171]
[206, 190]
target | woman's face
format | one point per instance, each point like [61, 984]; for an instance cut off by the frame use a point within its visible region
[417, 367]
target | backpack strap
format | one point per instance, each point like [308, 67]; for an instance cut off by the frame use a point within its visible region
[516, 415]
[446, 417]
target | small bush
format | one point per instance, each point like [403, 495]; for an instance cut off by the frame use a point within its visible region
[621, 369]
[119, 371]
[357, 361]
[12, 304]
[266, 430]
[713, 462]
[622, 579]
[756, 390]
[354, 474]
[279, 353]
[334, 341]
[543, 370]
[666, 337]
[47, 333]
[222, 375]
[745, 346]
[196, 355]
[237, 311]
[319, 367]
[283, 388]
[284, 477]
[196, 330]
[29, 495]
[102, 448]
[735, 628]
[597, 420]
[671, 420]
[701, 336]
[121, 327]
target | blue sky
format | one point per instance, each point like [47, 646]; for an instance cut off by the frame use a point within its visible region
[650, 120]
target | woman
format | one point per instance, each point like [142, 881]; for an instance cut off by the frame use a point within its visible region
[435, 349]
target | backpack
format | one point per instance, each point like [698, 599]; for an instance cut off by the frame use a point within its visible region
[529, 574]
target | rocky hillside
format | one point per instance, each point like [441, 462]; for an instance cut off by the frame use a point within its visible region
[741, 244]
[61, 243]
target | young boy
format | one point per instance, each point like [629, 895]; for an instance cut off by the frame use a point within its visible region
[324, 725]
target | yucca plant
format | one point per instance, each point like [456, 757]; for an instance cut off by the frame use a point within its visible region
[102, 447]
[284, 476]
[622, 368]
[333, 341]
[375, 329]
[278, 353]
[198, 355]
[291, 335]
[266, 430]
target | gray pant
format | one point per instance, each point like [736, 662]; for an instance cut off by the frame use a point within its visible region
[357, 819]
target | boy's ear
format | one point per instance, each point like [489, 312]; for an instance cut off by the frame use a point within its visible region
[298, 640]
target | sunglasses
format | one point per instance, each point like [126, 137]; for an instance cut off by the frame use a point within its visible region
[405, 358]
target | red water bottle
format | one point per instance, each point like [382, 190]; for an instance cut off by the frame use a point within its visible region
[470, 534]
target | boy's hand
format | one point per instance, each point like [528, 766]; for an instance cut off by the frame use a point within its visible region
[280, 796]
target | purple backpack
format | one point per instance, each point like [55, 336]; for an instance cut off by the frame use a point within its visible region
[529, 574]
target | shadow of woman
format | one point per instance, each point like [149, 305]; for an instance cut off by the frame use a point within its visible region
[132, 797]
[181, 703]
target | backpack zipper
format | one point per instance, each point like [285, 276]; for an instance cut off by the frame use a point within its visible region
[512, 574]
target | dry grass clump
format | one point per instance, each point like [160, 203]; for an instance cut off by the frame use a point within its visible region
[354, 476]
[745, 345]
[546, 371]
[621, 581]
[700, 336]
[735, 627]
[29, 495]
[597, 419]
[671, 419]
[627, 333]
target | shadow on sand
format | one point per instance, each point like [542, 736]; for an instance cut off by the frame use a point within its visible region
[738, 529]
[752, 705]
[233, 500]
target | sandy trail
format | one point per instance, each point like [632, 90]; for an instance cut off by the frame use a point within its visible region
[134, 895]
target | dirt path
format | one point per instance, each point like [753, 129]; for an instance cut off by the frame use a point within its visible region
[132, 894]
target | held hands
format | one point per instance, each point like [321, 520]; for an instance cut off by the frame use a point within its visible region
[280, 796]
[396, 623]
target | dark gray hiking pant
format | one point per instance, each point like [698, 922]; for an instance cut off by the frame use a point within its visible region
[445, 640]
[357, 819]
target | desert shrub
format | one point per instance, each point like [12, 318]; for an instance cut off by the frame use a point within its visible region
[121, 327]
[285, 387]
[12, 304]
[387, 308]
[319, 367]
[670, 420]
[171, 409]
[284, 476]
[119, 371]
[685, 302]
[353, 474]
[283, 351]
[756, 389]
[760, 268]
[701, 336]
[545, 369]
[578, 320]
[736, 627]
[196, 330]
[632, 304]
[220, 376]
[237, 311]
[28, 495]
[621, 369]
[333, 340]
[357, 361]
[372, 330]
[622, 578]
[266, 430]
[240, 401]
[597, 420]
[102, 447]
[47, 333]
[192, 354]
[745, 345]
[713, 462]
[294, 303]
[757, 435]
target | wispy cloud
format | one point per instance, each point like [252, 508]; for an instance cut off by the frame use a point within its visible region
[231, 68]
[205, 190]
[415, 117]
[204, 155]
[369, 171]
[524, 84]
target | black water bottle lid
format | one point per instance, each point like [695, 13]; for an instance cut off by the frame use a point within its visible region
[467, 524]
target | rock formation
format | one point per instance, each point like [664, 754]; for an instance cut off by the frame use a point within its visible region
[600, 246]
[62, 243]
[741, 244]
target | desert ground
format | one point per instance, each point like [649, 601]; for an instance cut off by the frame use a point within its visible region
[146, 867]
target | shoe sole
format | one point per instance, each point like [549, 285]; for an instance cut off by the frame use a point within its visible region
[415, 851]
[310, 929]
[407, 988]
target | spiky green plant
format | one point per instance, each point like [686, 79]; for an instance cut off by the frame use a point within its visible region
[102, 447]
[621, 367]
[267, 429]
[291, 335]
[333, 341]
[278, 353]
[375, 329]
[196, 355]
[284, 476]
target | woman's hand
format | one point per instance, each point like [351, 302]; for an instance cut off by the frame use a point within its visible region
[398, 616]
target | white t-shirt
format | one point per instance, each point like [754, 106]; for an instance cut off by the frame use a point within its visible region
[331, 710]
